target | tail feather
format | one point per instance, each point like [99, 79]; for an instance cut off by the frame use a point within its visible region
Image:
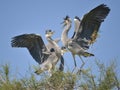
[86, 54]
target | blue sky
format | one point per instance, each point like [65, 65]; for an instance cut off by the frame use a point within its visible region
[35, 16]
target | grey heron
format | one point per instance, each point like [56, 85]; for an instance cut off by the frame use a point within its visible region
[34, 44]
[85, 33]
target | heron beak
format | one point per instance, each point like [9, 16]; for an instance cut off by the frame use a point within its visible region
[64, 23]
[64, 51]
[53, 32]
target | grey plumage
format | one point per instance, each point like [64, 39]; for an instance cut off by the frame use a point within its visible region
[38, 50]
[85, 34]
[33, 43]
[77, 22]
[51, 62]
[53, 44]
[91, 22]
[85, 31]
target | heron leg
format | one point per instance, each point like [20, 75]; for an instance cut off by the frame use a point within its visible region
[49, 70]
[74, 62]
[83, 63]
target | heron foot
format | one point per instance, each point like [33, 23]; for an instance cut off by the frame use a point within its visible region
[79, 71]
[75, 69]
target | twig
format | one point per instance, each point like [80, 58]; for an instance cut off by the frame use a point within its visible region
[1, 79]
[117, 82]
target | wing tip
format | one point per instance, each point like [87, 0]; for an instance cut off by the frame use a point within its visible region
[104, 6]
[13, 42]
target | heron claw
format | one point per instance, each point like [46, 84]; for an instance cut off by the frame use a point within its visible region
[79, 71]
[75, 68]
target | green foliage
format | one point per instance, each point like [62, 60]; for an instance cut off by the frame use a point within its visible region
[5, 82]
[108, 79]
[82, 80]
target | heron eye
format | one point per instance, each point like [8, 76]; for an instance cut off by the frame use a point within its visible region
[52, 50]
[49, 30]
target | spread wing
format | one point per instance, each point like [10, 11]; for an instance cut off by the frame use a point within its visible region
[33, 43]
[90, 24]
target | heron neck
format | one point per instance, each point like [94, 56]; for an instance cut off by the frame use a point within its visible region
[55, 46]
[64, 37]
[77, 25]
[52, 42]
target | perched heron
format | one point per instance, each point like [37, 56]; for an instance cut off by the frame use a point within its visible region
[36, 47]
[85, 33]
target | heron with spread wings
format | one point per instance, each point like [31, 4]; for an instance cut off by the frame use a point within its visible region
[46, 57]
[85, 33]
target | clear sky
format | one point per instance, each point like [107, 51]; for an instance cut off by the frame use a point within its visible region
[35, 16]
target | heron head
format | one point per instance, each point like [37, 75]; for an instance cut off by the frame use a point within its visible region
[77, 18]
[63, 49]
[66, 21]
[49, 33]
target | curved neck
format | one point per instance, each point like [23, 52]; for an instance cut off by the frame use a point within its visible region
[77, 24]
[64, 37]
[52, 42]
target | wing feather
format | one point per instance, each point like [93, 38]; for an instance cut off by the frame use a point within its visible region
[91, 22]
[33, 43]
